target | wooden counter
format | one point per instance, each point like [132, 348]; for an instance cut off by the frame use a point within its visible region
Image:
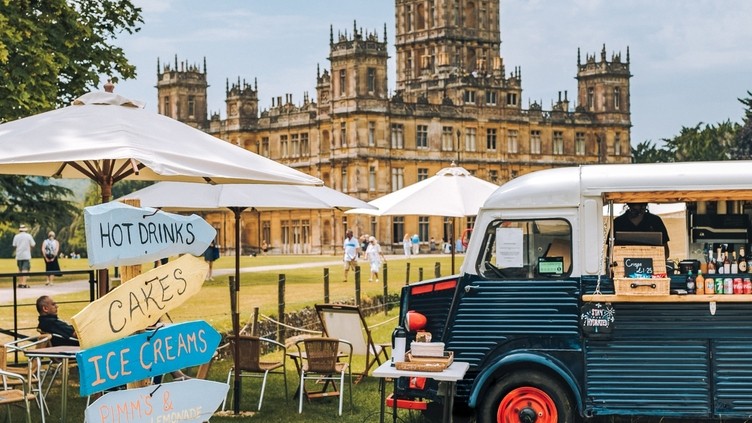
[689, 298]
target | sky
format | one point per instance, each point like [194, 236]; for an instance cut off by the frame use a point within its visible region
[691, 60]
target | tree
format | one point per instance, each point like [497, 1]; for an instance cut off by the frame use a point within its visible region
[743, 141]
[708, 143]
[648, 152]
[52, 51]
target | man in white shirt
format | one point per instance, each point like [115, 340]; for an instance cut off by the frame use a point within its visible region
[23, 243]
[351, 247]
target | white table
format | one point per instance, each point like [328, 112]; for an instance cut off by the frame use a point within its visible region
[63, 353]
[456, 371]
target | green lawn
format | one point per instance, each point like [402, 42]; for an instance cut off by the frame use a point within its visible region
[304, 287]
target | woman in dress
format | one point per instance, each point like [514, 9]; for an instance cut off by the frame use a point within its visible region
[375, 258]
[407, 245]
[50, 252]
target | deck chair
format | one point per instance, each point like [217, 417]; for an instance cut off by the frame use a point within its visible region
[347, 322]
[10, 394]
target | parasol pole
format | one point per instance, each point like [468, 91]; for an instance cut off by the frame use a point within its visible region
[236, 314]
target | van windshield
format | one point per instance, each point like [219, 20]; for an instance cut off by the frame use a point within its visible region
[526, 249]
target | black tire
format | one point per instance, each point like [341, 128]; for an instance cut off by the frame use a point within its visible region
[532, 397]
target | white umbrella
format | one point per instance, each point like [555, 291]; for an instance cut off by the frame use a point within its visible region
[106, 137]
[452, 192]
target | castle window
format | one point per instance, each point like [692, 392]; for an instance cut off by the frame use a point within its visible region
[617, 98]
[420, 16]
[491, 98]
[491, 139]
[371, 134]
[535, 142]
[305, 147]
[398, 228]
[469, 96]
[558, 143]
[447, 140]
[493, 175]
[457, 16]
[371, 80]
[265, 147]
[590, 98]
[470, 139]
[512, 143]
[166, 110]
[283, 146]
[423, 227]
[295, 145]
[344, 179]
[397, 135]
[343, 134]
[579, 143]
[342, 82]
[371, 178]
[617, 144]
[266, 230]
[409, 17]
[511, 99]
[431, 13]
[398, 178]
[421, 140]
[191, 106]
[422, 174]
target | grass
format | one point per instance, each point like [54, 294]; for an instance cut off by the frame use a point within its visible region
[304, 287]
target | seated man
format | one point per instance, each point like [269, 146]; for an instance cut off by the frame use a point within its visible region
[637, 218]
[62, 333]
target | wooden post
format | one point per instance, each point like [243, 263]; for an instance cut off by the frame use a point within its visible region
[420, 274]
[326, 285]
[357, 285]
[407, 273]
[281, 307]
[437, 270]
[254, 327]
[386, 290]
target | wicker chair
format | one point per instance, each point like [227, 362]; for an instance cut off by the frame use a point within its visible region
[320, 361]
[250, 364]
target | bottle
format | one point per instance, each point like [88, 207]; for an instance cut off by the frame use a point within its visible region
[690, 283]
[399, 341]
[709, 286]
[734, 263]
[699, 283]
[719, 261]
[742, 264]
[711, 263]
[726, 264]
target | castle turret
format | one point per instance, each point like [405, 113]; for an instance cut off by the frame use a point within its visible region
[181, 92]
[242, 103]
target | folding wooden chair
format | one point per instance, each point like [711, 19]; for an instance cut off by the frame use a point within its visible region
[250, 363]
[320, 361]
[347, 322]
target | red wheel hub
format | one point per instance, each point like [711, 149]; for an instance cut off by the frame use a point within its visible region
[527, 405]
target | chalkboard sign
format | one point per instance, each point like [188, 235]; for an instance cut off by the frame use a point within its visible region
[641, 267]
[597, 319]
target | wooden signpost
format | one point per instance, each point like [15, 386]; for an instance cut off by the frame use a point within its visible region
[145, 355]
[140, 302]
[118, 234]
[193, 400]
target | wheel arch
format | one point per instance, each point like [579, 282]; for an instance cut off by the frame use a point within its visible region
[524, 361]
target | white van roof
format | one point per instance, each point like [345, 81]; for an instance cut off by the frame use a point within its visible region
[664, 182]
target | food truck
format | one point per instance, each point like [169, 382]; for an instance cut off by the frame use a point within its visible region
[562, 321]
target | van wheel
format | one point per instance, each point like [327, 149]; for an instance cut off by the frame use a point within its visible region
[529, 397]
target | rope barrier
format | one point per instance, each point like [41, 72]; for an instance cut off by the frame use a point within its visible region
[288, 326]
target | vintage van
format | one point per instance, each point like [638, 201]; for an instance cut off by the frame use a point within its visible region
[552, 330]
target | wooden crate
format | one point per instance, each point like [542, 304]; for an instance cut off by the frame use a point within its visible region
[642, 286]
[658, 254]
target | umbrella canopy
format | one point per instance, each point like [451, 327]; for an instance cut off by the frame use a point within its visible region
[452, 192]
[106, 137]
[178, 196]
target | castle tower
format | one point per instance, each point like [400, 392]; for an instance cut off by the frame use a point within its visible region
[603, 87]
[181, 92]
[358, 70]
[242, 104]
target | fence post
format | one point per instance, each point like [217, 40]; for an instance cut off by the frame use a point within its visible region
[386, 291]
[420, 274]
[357, 285]
[326, 285]
[281, 307]
[254, 328]
[407, 273]
[437, 270]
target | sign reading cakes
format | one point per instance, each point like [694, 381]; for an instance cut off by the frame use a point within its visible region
[119, 235]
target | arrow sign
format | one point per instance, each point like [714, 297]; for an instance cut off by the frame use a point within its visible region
[119, 235]
[193, 400]
[140, 302]
[147, 354]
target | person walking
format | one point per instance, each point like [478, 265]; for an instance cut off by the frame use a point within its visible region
[23, 242]
[210, 255]
[352, 250]
[415, 244]
[375, 258]
[50, 252]
[406, 245]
